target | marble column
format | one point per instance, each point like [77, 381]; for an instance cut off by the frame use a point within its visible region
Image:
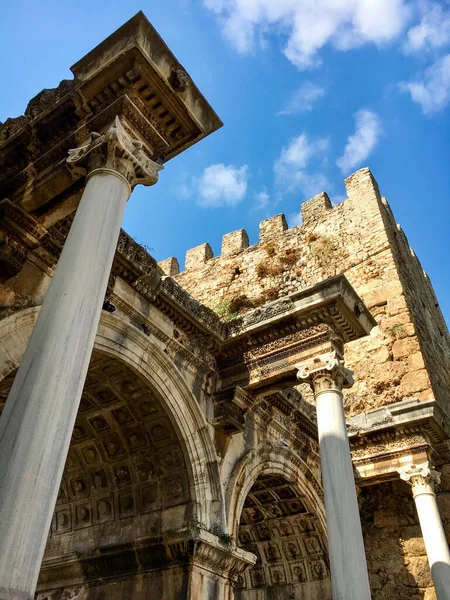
[422, 479]
[328, 376]
[39, 415]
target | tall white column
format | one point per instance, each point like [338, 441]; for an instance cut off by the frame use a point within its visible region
[422, 479]
[38, 418]
[327, 377]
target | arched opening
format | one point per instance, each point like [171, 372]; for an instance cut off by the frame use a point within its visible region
[126, 457]
[288, 541]
[126, 471]
[139, 473]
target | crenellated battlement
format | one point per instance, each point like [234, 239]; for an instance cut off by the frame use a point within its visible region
[360, 238]
[314, 211]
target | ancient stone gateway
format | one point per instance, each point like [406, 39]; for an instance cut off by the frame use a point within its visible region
[152, 449]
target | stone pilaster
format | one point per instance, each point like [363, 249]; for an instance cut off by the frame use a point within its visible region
[328, 376]
[37, 422]
[423, 478]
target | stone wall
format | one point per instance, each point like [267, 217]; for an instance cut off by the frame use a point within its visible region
[396, 556]
[406, 355]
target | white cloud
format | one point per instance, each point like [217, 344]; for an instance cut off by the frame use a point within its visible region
[303, 99]
[221, 185]
[433, 31]
[362, 142]
[262, 201]
[292, 168]
[433, 91]
[310, 24]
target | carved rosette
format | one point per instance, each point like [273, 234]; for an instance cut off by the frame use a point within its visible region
[422, 478]
[325, 373]
[116, 151]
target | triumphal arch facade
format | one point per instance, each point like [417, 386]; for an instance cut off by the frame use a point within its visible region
[270, 423]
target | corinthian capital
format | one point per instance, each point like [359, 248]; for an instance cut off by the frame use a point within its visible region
[325, 373]
[422, 478]
[115, 150]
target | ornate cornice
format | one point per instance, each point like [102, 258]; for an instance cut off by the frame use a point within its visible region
[422, 478]
[230, 408]
[325, 373]
[118, 152]
[183, 548]
[19, 233]
[132, 74]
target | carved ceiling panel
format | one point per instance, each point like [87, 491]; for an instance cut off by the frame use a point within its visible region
[125, 457]
[286, 538]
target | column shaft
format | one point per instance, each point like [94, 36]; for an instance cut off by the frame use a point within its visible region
[38, 419]
[435, 542]
[345, 542]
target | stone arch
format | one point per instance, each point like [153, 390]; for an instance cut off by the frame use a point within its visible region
[271, 460]
[128, 346]
[276, 511]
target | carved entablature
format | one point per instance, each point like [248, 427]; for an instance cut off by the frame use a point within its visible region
[259, 315]
[266, 365]
[261, 352]
[188, 313]
[184, 548]
[10, 127]
[19, 233]
[47, 99]
[230, 408]
[386, 440]
[136, 266]
[132, 75]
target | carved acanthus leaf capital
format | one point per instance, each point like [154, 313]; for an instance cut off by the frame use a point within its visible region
[325, 373]
[422, 478]
[115, 150]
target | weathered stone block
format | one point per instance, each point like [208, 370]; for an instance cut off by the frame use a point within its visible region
[233, 242]
[382, 294]
[273, 227]
[420, 570]
[196, 257]
[362, 187]
[415, 381]
[430, 594]
[170, 266]
[404, 347]
[415, 361]
[314, 208]
[414, 545]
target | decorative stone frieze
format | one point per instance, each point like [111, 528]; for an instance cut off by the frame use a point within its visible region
[47, 99]
[19, 233]
[326, 373]
[117, 151]
[230, 408]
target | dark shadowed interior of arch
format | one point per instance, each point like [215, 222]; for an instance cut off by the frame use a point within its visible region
[288, 542]
[126, 474]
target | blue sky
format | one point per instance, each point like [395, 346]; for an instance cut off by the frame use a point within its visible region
[309, 91]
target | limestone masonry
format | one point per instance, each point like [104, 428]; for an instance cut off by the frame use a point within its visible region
[406, 355]
[269, 424]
